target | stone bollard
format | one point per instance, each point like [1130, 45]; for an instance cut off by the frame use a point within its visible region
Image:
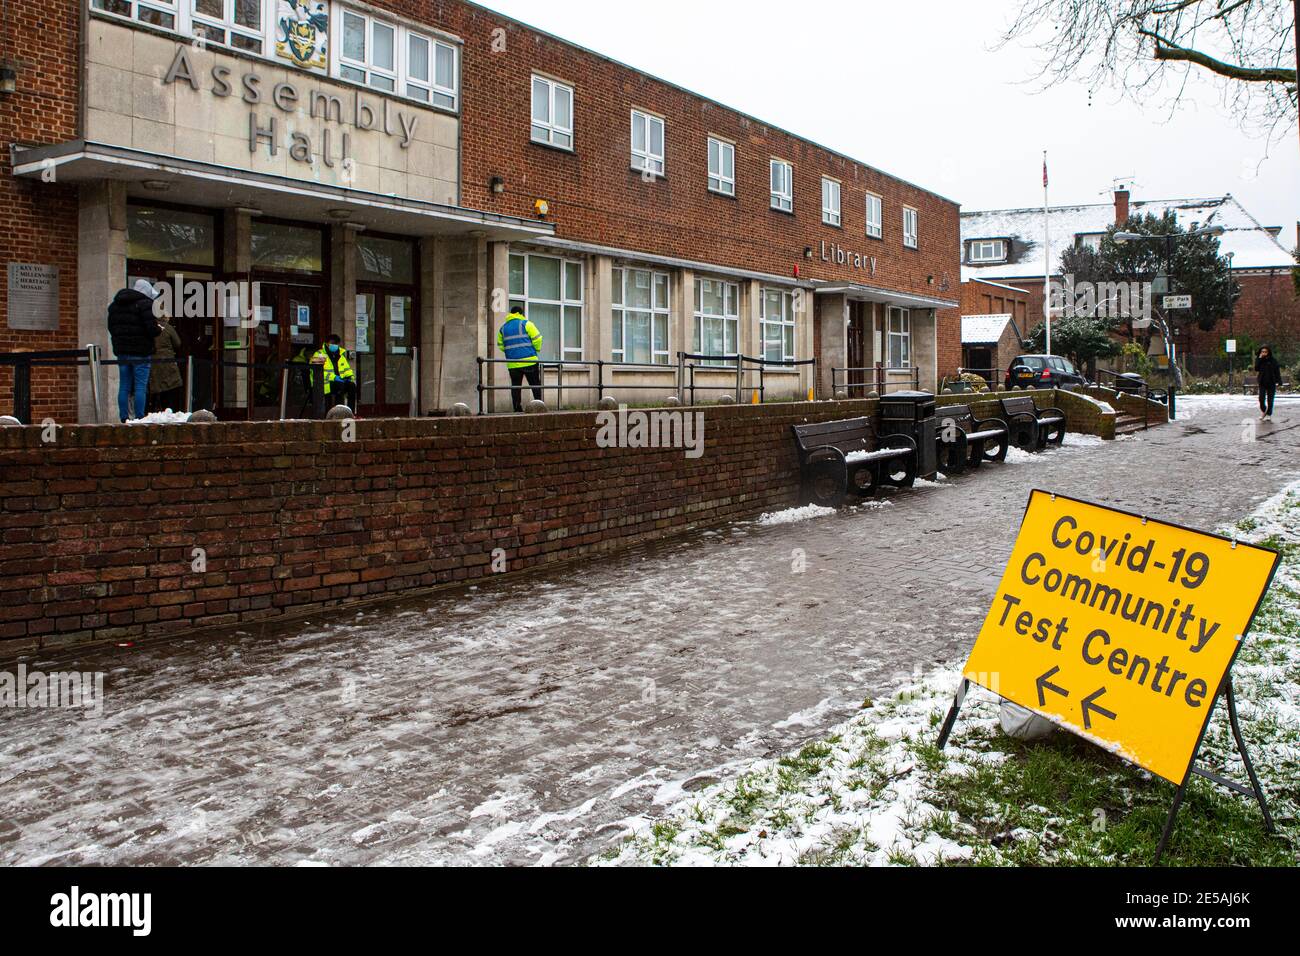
[339, 413]
[535, 407]
[672, 401]
[202, 417]
[607, 404]
[727, 400]
[841, 395]
[459, 410]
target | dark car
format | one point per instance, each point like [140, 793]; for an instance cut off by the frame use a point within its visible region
[1042, 371]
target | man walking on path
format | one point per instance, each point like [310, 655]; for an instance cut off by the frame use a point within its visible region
[521, 342]
[132, 329]
[1270, 377]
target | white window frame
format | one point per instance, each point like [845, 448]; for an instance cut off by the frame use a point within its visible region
[227, 24]
[785, 321]
[911, 227]
[646, 160]
[619, 310]
[729, 317]
[831, 191]
[403, 83]
[566, 351]
[719, 181]
[875, 209]
[171, 8]
[782, 194]
[550, 130]
[903, 335]
[988, 250]
[1090, 240]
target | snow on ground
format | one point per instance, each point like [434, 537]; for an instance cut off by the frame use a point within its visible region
[791, 515]
[167, 417]
[865, 794]
[1190, 406]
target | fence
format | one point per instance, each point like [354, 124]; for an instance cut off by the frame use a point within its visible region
[684, 386]
[855, 385]
[292, 380]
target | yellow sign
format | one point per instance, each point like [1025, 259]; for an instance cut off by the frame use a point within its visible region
[1120, 628]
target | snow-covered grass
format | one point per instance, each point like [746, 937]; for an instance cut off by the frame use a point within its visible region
[878, 792]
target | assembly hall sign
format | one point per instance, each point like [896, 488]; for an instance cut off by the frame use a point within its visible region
[1119, 627]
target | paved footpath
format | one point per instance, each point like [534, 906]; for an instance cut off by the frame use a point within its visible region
[530, 721]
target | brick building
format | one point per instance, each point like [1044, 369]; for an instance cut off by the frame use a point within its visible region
[400, 172]
[1006, 246]
[995, 320]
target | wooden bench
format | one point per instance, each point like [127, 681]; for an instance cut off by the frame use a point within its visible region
[1251, 385]
[964, 440]
[848, 456]
[1030, 427]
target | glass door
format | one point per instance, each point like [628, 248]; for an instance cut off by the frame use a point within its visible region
[385, 340]
[286, 327]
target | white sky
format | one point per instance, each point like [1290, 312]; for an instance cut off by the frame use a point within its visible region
[915, 88]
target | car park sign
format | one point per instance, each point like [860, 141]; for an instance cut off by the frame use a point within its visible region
[1120, 628]
[1177, 302]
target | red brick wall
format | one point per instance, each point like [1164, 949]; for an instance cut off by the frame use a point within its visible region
[595, 196]
[1268, 312]
[97, 529]
[40, 219]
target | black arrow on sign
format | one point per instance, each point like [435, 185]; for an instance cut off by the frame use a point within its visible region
[1044, 684]
[1088, 705]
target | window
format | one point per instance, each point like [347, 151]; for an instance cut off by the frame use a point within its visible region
[640, 316]
[875, 215]
[909, 227]
[722, 167]
[717, 317]
[397, 60]
[830, 202]
[552, 113]
[439, 86]
[1089, 240]
[900, 338]
[173, 236]
[988, 250]
[234, 23]
[776, 322]
[279, 247]
[549, 290]
[782, 186]
[159, 13]
[647, 143]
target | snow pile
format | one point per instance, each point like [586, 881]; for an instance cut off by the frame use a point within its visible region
[167, 417]
[791, 515]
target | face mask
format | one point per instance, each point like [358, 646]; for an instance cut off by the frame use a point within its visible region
[334, 349]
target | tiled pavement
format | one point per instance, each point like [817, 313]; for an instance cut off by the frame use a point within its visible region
[524, 721]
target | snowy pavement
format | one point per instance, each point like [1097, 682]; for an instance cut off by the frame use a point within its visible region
[534, 720]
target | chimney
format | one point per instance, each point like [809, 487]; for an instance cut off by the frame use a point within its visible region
[1121, 206]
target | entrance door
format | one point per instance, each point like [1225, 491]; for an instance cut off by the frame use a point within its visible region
[289, 323]
[980, 361]
[857, 349]
[386, 336]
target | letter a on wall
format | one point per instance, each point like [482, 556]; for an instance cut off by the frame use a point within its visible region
[1120, 628]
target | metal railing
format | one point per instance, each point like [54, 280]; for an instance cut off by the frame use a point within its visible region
[683, 387]
[881, 379]
[1167, 397]
[90, 358]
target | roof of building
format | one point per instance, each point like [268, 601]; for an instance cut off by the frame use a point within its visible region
[1253, 246]
[983, 329]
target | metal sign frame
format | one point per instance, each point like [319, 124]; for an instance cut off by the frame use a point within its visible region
[1225, 688]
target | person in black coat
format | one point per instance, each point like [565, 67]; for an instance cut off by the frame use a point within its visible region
[1270, 377]
[132, 329]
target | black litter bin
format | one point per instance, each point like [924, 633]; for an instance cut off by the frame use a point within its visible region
[913, 414]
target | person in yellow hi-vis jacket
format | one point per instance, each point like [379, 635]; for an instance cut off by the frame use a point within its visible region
[340, 380]
[521, 343]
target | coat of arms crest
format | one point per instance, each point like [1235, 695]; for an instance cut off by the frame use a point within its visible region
[302, 32]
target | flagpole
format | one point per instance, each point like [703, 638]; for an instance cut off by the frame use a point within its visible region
[1047, 262]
